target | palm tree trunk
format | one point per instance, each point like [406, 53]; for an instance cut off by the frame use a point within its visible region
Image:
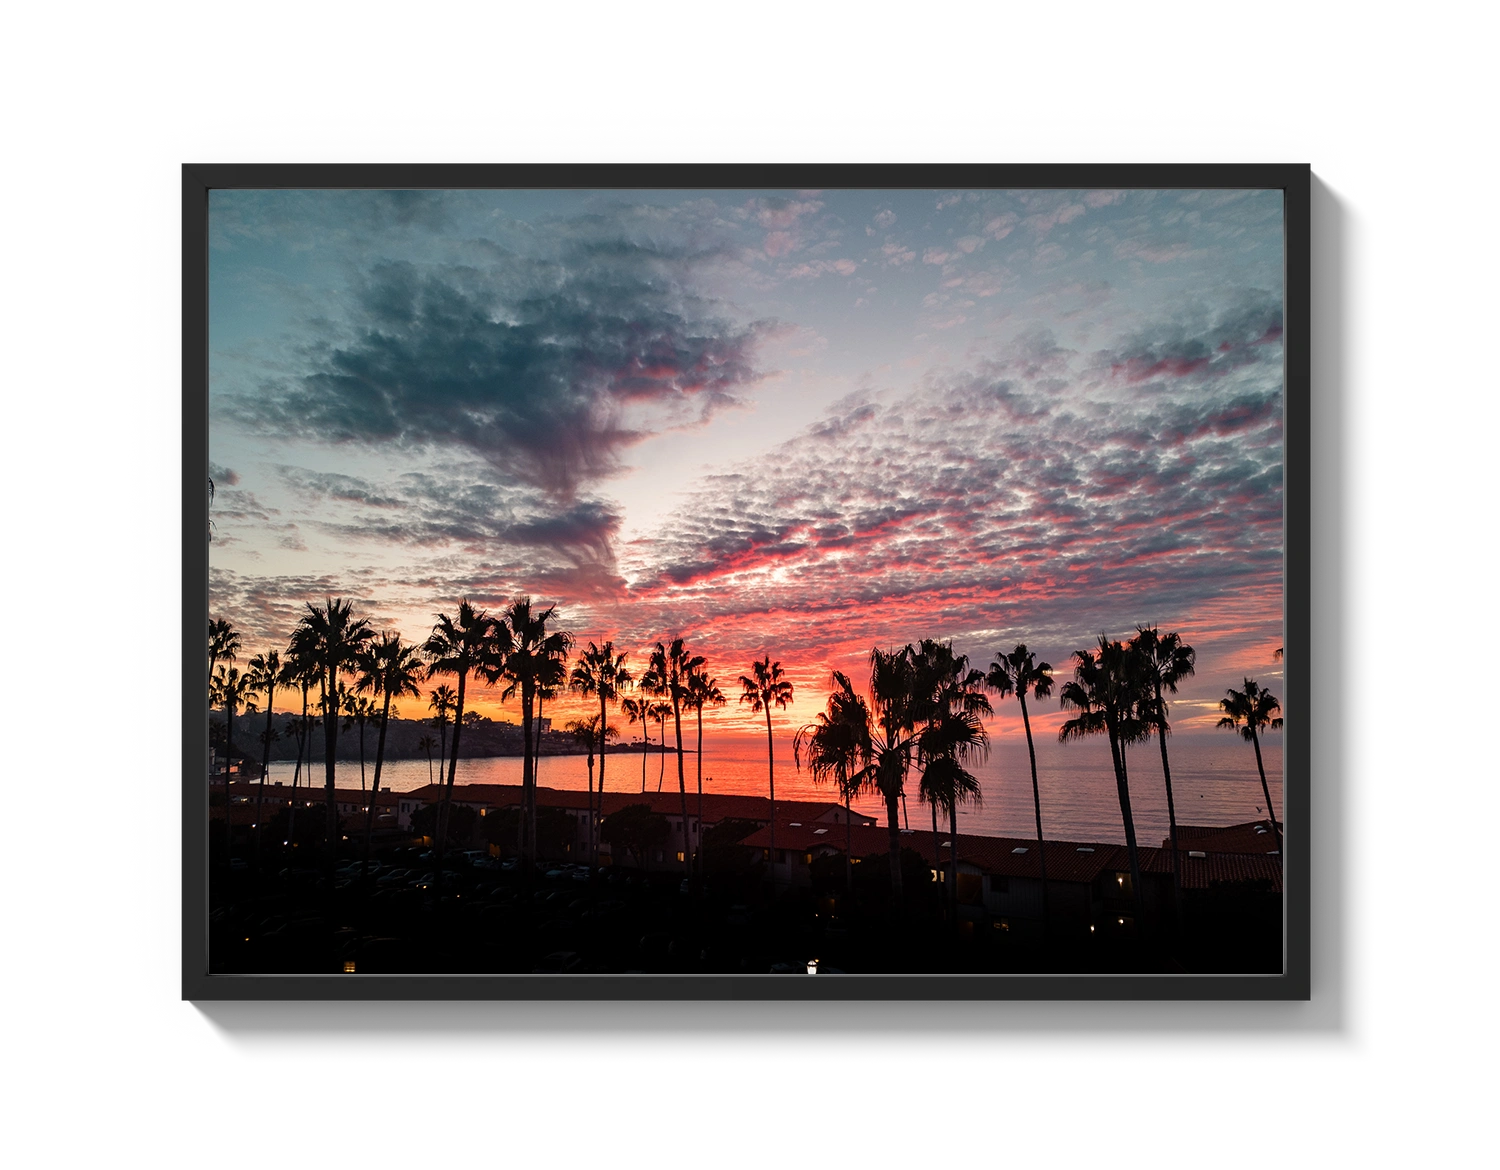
[304, 741]
[645, 749]
[588, 837]
[265, 766]
[1122, 788]
[661, 772]
[228, 764]
[937, 856]
[953, 859]
[893, 829]
[1166, 772]
[442, 817]
[698, 847]
[687, 844]
[848, 849]
[771, 777]
[1036, 798]
[528, 841]
[603, 751]
[385, 717]
[1266, 788]
[330, 747]
[361, 723]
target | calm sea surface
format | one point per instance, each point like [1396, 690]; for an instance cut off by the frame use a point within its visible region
[1214, 782]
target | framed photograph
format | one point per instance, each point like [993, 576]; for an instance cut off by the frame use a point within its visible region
[729, 582]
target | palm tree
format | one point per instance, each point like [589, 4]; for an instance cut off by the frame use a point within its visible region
[1166, 660]
[764, 687]
[335, 636]
[230, 689]
[552, 677]
[266, 673]
[223, 646]
[531, 659]
[953, 702]
[838, 748]
[389, 669]
[426, 744]
[894, 712]
[659, 712]
[471, 643]
[669, 674]
[1018, 673]
[702, 691]
[602, 673]
[301, 671]
[441, 702]
[357, 712]
[1250, 712]
[1107, 691]
[639, 711]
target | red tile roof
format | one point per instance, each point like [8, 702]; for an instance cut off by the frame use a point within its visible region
[1249, 837]
[716, 806]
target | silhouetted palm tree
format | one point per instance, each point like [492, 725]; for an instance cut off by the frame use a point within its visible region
[602, 673]
[767, 686]
[670, 671]
[894, 712]
[1250, 712]
[954, 706]
[702, 691]
[469, 644]
[357, 712]
[390, 669]
[266, 674]
[1107, 690]
[639, 711]
[838, 748]
[441, 701]
[1165, 660]
[531, 658]
[336, 636]
[230, 690]
[1018, 673]
[426, 744]
[302, 672]
[223, 646]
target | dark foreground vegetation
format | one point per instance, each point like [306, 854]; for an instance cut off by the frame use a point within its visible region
[477, 916]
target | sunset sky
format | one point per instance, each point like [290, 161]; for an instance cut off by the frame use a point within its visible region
[794, 423]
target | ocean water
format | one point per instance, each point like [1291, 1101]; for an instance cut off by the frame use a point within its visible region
[1214, 782]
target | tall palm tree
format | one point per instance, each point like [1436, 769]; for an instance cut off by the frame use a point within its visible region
[441, 702]
[389, 668]
[639, 711]
[463, 646]
[670, 671]
[223, 646]
[530, 660]
[231, 690]
[336, 636]
[1107, 690]
[358, 711]
[702, 691]
[602, 673]
[954, 705]
[659, 711]
[1019, 673]
[266, 673]
[894, 713]
[552, 677]
[425, 744]
[1165, 660]
[1250, 712]
[767, 686]
[838, 748]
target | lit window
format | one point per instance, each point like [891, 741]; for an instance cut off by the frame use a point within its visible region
[680, 856]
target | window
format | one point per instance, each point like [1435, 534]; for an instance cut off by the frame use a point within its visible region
[680, 857]
[807, 859]
[781, 857]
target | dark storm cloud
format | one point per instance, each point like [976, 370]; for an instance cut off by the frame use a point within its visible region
[545, 370]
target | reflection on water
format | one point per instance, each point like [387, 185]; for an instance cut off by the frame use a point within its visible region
[1214, 782]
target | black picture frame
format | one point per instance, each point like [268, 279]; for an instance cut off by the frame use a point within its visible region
[1329, 291]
